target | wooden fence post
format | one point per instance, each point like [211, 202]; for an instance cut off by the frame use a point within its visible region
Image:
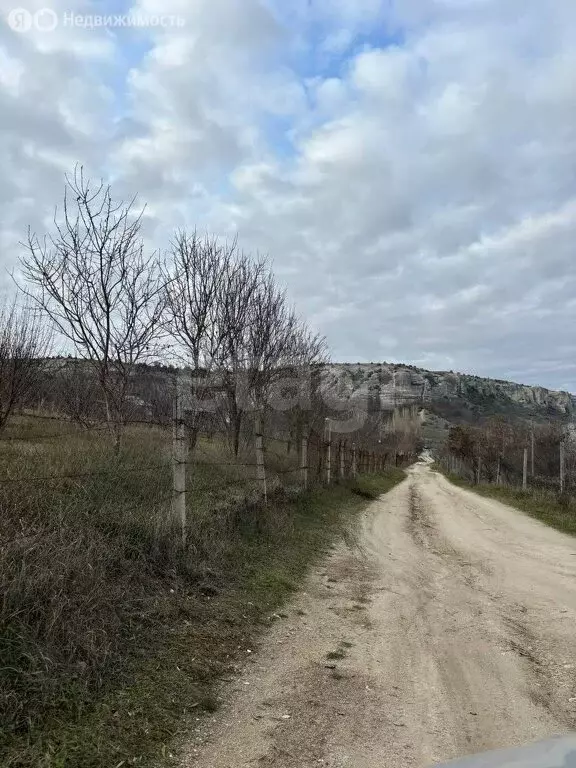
[479, 470]
[304, 463]
[525, 471]
[179, 457]
[259, 445]
[342, 459]
[498, 466]
[354, 464]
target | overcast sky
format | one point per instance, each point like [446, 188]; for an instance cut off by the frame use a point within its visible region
[409, 166]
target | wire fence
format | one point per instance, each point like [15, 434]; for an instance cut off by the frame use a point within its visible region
[531, 467]
[180, 466]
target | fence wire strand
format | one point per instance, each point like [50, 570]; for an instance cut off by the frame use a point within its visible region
[200, 457]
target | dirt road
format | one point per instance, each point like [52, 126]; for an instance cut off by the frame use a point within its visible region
[448, 628]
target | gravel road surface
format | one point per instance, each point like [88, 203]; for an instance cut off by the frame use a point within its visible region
[445, 626]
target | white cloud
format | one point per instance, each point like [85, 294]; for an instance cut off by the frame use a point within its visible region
[416, 196]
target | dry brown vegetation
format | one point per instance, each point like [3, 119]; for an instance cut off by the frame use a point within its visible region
[100, 607]
[492, 458]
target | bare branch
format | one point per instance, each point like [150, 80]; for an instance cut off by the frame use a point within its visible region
[100, 290]
[24, 343]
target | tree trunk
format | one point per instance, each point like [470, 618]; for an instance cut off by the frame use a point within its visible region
[235, 422]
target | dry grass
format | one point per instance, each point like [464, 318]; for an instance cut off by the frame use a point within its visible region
[111, 638]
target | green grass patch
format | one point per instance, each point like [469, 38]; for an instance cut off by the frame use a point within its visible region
[372, 486]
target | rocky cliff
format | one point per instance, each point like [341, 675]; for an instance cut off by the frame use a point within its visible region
[455, 397]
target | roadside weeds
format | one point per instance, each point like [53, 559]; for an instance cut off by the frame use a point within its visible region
[556, 511]
[195, 636]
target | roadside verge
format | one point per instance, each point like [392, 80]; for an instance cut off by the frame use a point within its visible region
[555, 510]
[194, 632]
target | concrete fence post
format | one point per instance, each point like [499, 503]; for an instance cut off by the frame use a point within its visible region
[304, 463]
[328, 452]
[259, 445]
[562, 468]
[179, 458]
[525, 471]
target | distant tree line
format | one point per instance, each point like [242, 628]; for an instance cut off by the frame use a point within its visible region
[494, 451]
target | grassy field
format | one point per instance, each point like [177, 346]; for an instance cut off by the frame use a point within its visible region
[113, 640]
[546, 506]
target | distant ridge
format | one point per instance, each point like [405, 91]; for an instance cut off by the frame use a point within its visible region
[456, 397]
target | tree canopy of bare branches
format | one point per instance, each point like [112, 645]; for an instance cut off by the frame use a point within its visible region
[24, 343]
[100, 289]
[234, 326]
[195, 281]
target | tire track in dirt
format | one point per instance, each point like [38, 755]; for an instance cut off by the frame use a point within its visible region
[518, 637]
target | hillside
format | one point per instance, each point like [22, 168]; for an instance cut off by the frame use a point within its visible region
[450, 396]
[455, 397]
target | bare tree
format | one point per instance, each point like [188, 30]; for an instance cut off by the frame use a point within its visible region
[99, 288]
[308, 354]
[271, 337]
[197, 285]
[76, 393]
[242, 280]
[196, 281]
[24, 344]
[236, 332]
